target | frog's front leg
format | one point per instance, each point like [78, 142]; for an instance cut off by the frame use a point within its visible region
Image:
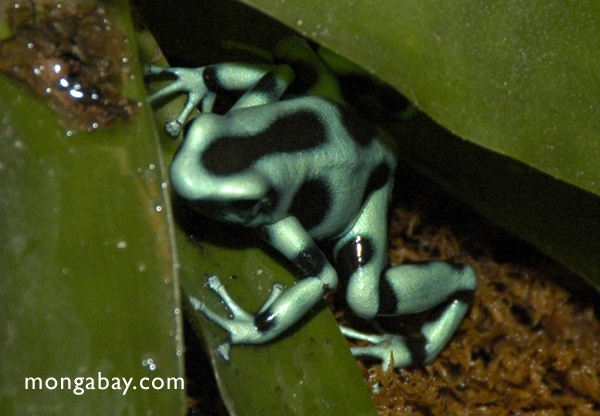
[262, 84]
[284, 307]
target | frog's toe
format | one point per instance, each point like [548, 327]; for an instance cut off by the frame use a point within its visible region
[223, 350]
[213, 282]
[196, 303]
[173, 128]
[149, 69]
[392, 350]
[201, 307]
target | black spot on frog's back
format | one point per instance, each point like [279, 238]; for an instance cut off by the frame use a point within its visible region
[306, 77]
[311, 203]
[378, 178]
[290, 133]
[376, 101]
[362, 131]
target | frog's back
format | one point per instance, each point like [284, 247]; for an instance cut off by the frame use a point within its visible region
[318, 157]
[305, 157]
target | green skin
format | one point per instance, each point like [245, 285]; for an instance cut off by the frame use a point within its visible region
[300, 169]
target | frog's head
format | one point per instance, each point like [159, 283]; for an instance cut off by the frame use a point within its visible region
[245, 197]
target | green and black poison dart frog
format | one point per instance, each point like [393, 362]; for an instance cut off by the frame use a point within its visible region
[300, 168]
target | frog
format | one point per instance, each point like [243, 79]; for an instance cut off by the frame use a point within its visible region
[293, 160]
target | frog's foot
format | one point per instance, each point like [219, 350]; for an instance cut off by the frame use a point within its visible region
[385, 348]
[189, 81]
[241, 328]
[435, 334]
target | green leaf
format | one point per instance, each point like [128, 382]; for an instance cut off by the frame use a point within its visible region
[309, 370]
[517, 78]
[87, 280]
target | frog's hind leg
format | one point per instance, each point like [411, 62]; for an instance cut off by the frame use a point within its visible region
[414, 288]
[361, 257]
[418, 287]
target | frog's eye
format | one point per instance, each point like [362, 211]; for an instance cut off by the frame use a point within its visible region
[244, 205]
[244, 210]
